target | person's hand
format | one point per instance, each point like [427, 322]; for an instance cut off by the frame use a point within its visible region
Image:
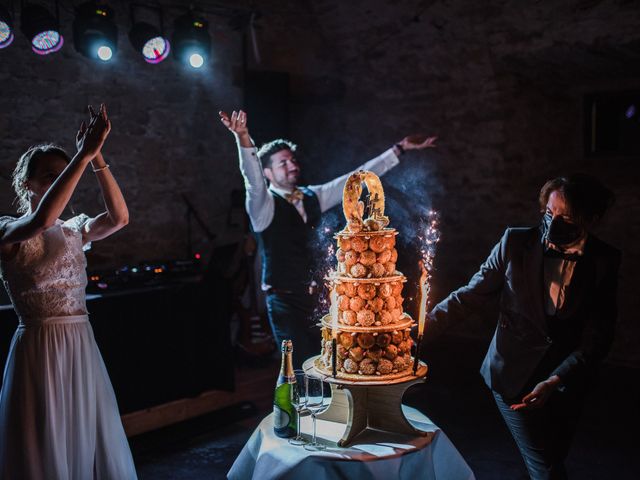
[538, 396]
[90, 138]
[236, 123]
[417, 142]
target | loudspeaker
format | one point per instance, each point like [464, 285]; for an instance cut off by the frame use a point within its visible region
[266, 101]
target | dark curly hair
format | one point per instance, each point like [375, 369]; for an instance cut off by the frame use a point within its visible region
[274, 146]
[587, 198]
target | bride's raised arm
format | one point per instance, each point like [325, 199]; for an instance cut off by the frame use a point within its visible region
[43, 207]
[116, 214]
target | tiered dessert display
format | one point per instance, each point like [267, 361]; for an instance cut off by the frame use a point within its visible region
[366, 342]
[372, 332]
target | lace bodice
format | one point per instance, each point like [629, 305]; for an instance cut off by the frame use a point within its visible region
[47, 277]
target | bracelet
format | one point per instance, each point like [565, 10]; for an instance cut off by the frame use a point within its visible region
[399, 147]
[96, 170]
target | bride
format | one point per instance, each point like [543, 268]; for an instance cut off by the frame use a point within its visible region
[58, 413]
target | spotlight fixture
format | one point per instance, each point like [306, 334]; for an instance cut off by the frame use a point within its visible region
[147, 38]
[196, 60]
[95, 34]
[191, 40]
[104, 53]
[6, 28]
[41, 28]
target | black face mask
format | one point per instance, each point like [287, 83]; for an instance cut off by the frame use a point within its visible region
[559, 232]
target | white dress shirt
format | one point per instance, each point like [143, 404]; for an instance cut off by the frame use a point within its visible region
[558, 273]
[259, 201]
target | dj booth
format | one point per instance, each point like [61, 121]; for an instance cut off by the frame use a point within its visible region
[159, 342]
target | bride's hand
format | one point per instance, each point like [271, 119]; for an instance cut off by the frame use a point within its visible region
[90, 138]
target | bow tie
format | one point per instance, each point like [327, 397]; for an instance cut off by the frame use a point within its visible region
[294, 196]
[553, 253]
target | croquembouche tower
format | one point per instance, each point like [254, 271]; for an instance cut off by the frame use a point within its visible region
[366, 342]
[372, 332]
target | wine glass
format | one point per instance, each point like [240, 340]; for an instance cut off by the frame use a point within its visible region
[318, 400]
[299, 401]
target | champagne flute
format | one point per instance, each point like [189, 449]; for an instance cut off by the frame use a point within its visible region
[318, 400]
[299, 401]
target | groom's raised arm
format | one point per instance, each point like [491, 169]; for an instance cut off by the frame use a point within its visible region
[258, 202]
[330, 194]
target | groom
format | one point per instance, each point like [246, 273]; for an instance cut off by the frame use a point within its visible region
[283, 216]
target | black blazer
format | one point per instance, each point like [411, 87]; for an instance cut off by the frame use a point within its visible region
[523, 341]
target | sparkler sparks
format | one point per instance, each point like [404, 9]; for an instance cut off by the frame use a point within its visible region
[430, 237]
[429, 240]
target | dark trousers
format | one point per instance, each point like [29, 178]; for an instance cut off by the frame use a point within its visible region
[544, 435]
[291, 317]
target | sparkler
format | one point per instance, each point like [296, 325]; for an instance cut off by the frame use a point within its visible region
[428, 251]
[334, 328]
[422, 312]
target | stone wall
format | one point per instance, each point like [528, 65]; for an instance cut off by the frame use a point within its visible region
[166, 139]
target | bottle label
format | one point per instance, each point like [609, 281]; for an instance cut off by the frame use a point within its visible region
[280, 417]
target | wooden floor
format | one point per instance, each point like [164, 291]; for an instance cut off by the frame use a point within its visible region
[254, 384]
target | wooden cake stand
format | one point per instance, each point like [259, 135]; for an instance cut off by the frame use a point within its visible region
[367, 404]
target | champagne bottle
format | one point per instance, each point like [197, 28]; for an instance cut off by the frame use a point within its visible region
[284, 415]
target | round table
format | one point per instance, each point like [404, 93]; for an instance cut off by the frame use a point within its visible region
[374, 454]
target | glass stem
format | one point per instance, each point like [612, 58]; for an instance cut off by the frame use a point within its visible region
[299, 433]
[313, 416]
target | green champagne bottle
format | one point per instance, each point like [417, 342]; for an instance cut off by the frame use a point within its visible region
[284, 415]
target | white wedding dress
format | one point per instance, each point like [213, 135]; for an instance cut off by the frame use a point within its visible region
[59, 418]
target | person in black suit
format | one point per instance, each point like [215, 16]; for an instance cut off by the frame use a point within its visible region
[556, 286]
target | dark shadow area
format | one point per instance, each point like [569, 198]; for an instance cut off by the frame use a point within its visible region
[457, 400]
[152, 446]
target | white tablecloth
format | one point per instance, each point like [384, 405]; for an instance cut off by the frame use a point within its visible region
[376, 455]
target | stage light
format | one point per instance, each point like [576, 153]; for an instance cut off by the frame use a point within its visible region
[105, 53]
[196, 60]
[95, 34]
[149, 41]
[41, 28]
[6, 28]
[191, 40]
